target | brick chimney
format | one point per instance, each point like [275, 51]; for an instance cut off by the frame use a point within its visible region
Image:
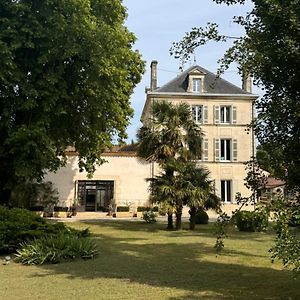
[247, 83]
[153, 80]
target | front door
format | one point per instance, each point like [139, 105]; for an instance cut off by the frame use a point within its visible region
[95, 195]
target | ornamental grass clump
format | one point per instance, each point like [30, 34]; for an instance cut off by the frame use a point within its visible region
[55, 249]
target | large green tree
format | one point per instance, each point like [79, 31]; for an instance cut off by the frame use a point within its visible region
[171, 137]
[270, 52]
[67, 70]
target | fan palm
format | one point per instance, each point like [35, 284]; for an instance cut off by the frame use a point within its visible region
[169, 137]
[199, 190]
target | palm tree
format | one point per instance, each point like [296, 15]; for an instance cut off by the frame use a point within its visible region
[200, 192]
[170, 137]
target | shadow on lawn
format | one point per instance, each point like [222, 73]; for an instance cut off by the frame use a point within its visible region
[167, 264]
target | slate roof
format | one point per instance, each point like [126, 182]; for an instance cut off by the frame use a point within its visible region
[212, 84]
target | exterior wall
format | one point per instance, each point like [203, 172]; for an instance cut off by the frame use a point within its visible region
[127, 172]
[233, 170]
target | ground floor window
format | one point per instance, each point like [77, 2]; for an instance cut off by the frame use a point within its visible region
[95, 195]
[226, 191]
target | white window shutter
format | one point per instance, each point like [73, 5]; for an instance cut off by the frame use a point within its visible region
[217, 149]
[205, 114]
[217, 114]
[205, 150]
[233, 114]
[234, 150]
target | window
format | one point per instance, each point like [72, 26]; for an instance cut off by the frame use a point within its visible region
[225, 149]
[226, 191]
[225, 114]
[197, 113]
[197, 85]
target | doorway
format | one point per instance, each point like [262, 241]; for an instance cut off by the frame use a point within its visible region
[95, 195]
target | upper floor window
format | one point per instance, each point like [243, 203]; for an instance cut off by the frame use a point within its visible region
[197, 113]
[197, 85]
[225, 149]
[225, 114]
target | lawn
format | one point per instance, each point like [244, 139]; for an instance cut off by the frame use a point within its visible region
[144, 261]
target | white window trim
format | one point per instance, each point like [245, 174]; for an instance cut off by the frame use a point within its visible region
[197, 108]
[191, 85]
[225, 149]
[225, 121]
[226, 200]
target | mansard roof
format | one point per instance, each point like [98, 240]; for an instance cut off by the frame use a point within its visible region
[212, 84]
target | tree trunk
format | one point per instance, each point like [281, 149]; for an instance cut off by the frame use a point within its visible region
[178, 216]
[5, 196]
[192, 212]
[170, 220]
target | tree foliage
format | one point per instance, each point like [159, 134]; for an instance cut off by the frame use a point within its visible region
[170, 138]
[67, 70]
[270, 52]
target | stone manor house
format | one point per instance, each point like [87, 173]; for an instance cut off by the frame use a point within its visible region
[223, 111]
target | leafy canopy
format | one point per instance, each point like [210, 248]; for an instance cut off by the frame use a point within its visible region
[270, 52]
[67, 70]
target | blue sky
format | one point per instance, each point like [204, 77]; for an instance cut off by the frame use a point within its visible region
[157, 24]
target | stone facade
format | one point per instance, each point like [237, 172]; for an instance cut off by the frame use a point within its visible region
[224, 112]
[221, 109]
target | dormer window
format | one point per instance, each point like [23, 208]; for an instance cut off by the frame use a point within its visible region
[196, 81]
[197, 85]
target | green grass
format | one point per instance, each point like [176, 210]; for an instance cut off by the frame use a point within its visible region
[144, 261]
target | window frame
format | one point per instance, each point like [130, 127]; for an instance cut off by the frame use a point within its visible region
[197, 107]
[226, 149]
[196, 85]
[226, 191]
[225, 114]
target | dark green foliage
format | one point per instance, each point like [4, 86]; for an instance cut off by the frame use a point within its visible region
[154, 208]
[20, 225]
[36, 208]
[55, 248]
[142, 208]
[201, 217]
[122, 208]
[251, 220]
[61, 208]
[67, 71]
[102, 208]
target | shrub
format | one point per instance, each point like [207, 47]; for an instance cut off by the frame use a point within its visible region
[155, 208]
[60, 208]
[55, 248]
[201, 217]
[142, 208]
[20, 225]
[102, 208]
[122, 208]
[149, 216]
[36, 208]
[251, 220]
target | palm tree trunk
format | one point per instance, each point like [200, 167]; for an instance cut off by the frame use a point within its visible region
[192, 212]
[178, 214]
[170, 220]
